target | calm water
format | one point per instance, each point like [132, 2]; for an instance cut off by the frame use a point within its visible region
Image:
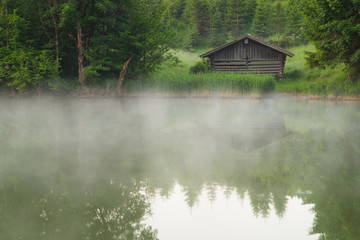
[179, 169]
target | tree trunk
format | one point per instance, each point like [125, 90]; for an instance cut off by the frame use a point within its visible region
[80, 51]
[122, 76]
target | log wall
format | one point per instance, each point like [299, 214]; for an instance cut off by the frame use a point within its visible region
[249, 58]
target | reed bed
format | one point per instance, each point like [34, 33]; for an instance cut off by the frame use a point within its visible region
[205, 84]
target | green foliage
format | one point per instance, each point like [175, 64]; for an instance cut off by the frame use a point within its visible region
[26, 68]
[218, 30]
[39, 39]
[196, 16]
[200, 23]
[266, 86]
[22, 66]
[261, 23]
[202, 66]
[106, 33]
[145, 36]
[333, 26]
[294, 21]
[279, 21]
[235, 16]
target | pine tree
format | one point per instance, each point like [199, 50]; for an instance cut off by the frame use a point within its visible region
[261, 22]
[235, 17]
[294, 20]
[196, 16]
[250, 8]
[218, 34]
[279, 19]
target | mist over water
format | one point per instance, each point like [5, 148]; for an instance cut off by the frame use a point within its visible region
[125, 168]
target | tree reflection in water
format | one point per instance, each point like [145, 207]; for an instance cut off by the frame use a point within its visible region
[54, 208]
[89, 170]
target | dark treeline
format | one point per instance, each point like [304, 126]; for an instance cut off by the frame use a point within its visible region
[83, 39]
[204, 23]
[91, 39]
[62, 44]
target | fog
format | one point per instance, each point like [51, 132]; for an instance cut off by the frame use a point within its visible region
[89, 168]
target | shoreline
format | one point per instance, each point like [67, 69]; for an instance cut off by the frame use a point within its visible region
[198, 95]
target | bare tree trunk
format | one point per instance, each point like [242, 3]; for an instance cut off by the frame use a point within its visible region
[122, 76]
[80, 51]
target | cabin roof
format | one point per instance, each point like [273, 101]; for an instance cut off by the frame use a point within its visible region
[258, 40]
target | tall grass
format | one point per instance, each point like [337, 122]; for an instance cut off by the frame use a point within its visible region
[176, 79]
[213, 83]
[300, 79]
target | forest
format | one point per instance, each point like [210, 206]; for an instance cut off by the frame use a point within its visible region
[52, 45]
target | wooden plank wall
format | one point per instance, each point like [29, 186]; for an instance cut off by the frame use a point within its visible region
[262, 67]
[249, 58]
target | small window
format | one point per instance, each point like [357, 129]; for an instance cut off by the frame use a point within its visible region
[246, 41]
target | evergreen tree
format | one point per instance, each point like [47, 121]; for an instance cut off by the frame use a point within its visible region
[192, 40]
[235, 17]
[197, 18]
[294, 20]
[177, 8]
[279, 20]
[218, 33]
[261, 26]
[250, 8]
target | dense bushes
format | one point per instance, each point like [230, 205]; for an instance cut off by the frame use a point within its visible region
[22, 66]
[202, 66]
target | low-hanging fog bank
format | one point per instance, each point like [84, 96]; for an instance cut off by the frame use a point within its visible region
[89, 159]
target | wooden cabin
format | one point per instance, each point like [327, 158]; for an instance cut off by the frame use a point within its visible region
[248, 54]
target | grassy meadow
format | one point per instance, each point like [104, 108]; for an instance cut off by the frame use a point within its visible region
[176, 79]
[299, 79]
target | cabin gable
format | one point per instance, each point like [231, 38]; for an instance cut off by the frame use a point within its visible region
[252, 50]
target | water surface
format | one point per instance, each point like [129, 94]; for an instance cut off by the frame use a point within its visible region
[179, 169]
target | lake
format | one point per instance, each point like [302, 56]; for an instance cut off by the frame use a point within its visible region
[187, 168]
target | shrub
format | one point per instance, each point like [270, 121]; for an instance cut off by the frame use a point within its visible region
[202, 66]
